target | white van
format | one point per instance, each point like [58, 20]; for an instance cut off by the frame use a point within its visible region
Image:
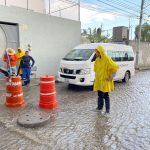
[77, 67]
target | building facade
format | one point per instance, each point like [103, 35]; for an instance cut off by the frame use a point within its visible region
[49, 37]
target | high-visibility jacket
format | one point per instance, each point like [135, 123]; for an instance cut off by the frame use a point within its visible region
[13, 60]
[19, 57]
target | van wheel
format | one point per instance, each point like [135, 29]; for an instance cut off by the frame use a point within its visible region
[126, 77]
[70, 86]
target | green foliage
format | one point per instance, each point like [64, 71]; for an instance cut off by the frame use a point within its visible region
[96, 36]
[145, 32]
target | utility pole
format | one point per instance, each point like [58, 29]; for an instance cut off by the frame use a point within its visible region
[27, 4]
[49, 7]
[129, 27]
[131, 32]
[59, 12]
[78, 10]
[139, 35]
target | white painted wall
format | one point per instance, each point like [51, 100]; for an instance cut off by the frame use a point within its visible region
[51, 37]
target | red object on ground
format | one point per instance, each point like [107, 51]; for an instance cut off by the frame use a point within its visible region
[47, 92]
[14, 93]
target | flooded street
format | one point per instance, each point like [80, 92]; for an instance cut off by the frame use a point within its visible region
[75, 125]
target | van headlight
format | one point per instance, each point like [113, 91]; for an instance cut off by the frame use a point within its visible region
[61, 70]
[85, 71]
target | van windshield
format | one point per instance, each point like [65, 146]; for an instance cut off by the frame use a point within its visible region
[79, 55]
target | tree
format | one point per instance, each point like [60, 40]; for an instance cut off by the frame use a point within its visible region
[90, 35]
[99, 32]
[96, 36]
[145, 32]
[84, 31]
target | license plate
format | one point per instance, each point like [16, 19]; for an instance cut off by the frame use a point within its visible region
[66, 80]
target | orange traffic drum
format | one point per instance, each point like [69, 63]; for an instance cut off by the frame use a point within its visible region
[47, 92]
[47, 84]
[14, 93]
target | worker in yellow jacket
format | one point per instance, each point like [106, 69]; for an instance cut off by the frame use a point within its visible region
[104, 68]
[19, 55]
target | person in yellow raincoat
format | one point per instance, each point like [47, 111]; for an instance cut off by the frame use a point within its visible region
[19, 55]
[104, 68]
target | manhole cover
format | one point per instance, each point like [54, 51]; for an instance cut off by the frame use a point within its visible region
[33, 119]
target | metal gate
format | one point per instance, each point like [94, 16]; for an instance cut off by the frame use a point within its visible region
[9, 37]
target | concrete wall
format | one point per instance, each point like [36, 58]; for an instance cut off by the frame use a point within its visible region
[144, 54]
[50, 37]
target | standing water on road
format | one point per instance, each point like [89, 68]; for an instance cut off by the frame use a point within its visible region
[75, 125]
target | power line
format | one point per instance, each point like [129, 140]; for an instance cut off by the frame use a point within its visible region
[121, 9]
[97, 9]
[115, 7]
[147, 6]
[64, 8]
[68, 1]
[132, 3]
[87, 7]
[102, 10]
[125, 5]
[108, 10]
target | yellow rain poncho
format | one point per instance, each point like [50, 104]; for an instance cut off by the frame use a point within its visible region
[104, 68]
[19, 57]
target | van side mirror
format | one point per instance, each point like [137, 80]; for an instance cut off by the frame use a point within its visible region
[94, 58]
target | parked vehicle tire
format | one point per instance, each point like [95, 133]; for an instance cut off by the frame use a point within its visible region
[126, 77]
[70, 86]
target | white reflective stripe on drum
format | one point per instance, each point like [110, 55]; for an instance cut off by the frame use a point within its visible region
[45, 82]
[10, 95]
[45, 94]
[13, 83]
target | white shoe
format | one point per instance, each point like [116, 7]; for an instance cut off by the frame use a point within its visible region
[99, 110]
[107, 114]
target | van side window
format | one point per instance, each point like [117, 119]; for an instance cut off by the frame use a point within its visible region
[117, 58]
[130, 56]
[111, 54]
[94, 58]
[125, 56]
[121, 56]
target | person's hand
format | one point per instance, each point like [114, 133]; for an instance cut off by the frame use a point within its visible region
[110, 78]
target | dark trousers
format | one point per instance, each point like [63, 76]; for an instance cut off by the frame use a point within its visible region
[101, 97]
